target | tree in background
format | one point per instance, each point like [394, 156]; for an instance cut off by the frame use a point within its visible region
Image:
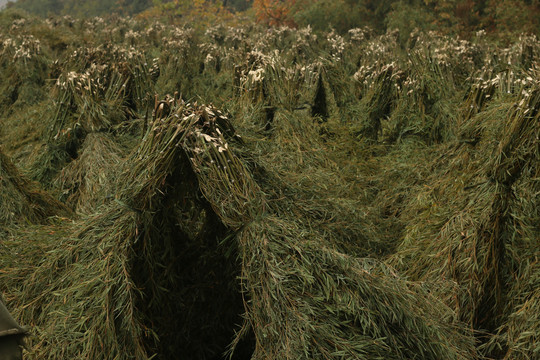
[407, 16]
[88, 8]
[274, 12]
[505, 17]
[238, 5]
[510, 17]
[341, 15]
[325, 14]
[197, 13]
[82, 8]
[133, 6]
[40, 7]
[460, 17]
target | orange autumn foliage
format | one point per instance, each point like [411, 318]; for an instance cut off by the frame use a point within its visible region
[274, 12]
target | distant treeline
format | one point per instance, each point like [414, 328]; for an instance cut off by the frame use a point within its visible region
[105, 7]
[460, 17]
[82, 8]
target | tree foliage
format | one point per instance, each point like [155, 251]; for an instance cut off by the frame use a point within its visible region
[83, 8]
[274, 12]
[196, 13]
[457, 17]
[502, 16]
[122, 7]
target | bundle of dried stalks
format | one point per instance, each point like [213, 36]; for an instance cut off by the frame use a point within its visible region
[22, 201]
[88, 181]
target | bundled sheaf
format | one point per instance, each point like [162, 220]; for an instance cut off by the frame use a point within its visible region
[100, 88]
[115, 280]
[86, 182]
[21, 200]
[300, 297]
[23, 69]
[304, 299]
[474, 229]
[518, 336]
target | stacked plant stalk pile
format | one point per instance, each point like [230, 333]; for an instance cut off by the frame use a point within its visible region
[345, 196]
[21, 200]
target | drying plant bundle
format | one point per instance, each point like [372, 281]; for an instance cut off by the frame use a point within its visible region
[92, 100]
[304, 299]
[300, 175]
[516, 169]
[505, 71]
[87, 181]
[179, 62]
[378, 101]
[23, 68]
[304, 44]
[99, 87]
[489, 84]
[470, 229]
[115, 279]
[22, 201]
[518, 336]
[429, 89]
[84, 102]
[106, 88]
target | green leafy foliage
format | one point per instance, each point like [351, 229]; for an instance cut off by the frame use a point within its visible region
[86, 8]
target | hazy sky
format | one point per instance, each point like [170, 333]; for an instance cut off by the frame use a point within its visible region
[3, 2]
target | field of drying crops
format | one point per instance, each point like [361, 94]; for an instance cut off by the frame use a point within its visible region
[168, 193]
